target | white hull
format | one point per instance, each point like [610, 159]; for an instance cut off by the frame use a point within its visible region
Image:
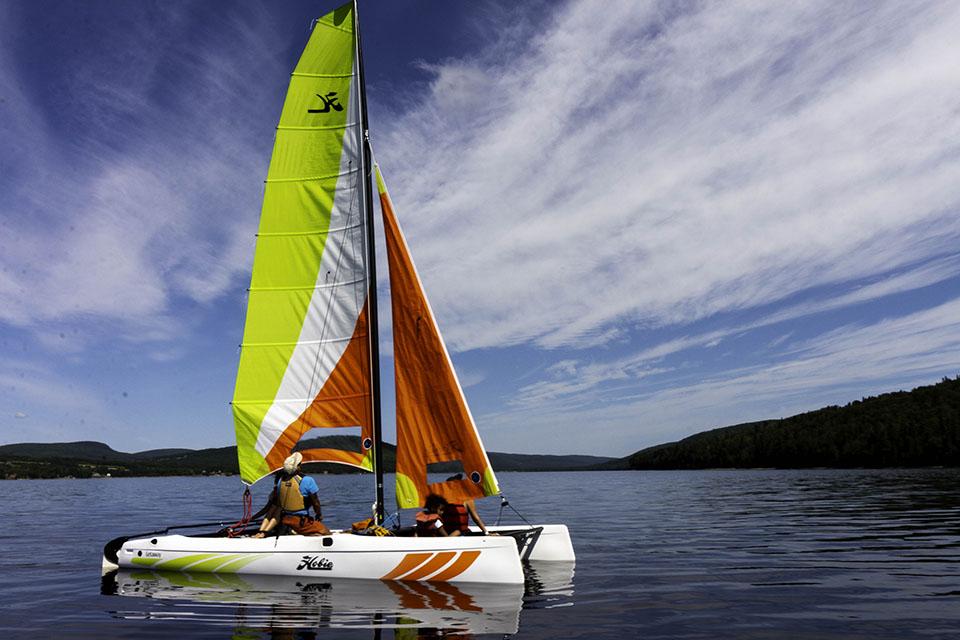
[479, 559]
[464, 559]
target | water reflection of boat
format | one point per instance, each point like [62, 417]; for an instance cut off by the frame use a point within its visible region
[548, 584]
[273, 602]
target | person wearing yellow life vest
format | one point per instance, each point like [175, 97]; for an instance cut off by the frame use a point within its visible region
[293, 495]
[442, 518]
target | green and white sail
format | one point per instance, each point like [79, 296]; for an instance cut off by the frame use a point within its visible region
[305, 359]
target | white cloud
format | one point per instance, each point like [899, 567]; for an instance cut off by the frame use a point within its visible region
[632, 165]
[568, 379]
[924, 275]
[470, 377]
[832, 368]
[152, 200]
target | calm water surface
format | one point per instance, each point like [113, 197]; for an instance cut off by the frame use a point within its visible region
[711, 554]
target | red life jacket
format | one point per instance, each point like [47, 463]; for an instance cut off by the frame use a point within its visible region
[455, 518]
[428, 524]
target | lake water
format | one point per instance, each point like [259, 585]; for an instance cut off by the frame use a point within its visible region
[701, 554]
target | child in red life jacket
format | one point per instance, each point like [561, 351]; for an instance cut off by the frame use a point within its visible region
[441, 518]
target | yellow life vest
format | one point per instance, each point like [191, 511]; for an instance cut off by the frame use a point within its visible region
[288, 494]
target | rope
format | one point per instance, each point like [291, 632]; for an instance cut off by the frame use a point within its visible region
[336, 276]
[506, 503]
[236, 529]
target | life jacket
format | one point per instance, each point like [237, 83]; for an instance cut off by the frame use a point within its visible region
[428, 524]
[455, 518]
[288, 494]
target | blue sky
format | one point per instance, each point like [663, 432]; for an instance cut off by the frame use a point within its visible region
[634, 223]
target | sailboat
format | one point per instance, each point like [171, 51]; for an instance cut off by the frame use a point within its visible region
[310, 356]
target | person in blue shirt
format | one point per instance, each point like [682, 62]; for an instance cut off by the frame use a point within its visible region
[293, 495]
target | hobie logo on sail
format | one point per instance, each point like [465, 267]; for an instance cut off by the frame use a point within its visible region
[314, 563]
[330, 101]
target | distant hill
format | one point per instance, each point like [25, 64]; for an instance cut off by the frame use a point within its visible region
[85, 450]
[86, 459]
[530, 462]
[901, 429]
[161, 453]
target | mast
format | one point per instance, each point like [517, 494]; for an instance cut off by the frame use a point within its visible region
[373, 331]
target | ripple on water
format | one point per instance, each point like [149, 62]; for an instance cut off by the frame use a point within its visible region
[708, 554]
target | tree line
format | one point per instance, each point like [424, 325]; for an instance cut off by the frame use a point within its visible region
[901, 429]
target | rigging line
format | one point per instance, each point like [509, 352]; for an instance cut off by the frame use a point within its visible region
[371, 290]
[512, 508]
[353, 242]
[330, 301]
[323, 326]
[235, 530]
[358, 298]
[367, 251]
[359, 295]
[374, 354]
[506, 503]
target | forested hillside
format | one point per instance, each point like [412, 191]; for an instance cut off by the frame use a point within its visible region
[901, 429]
[91, 459]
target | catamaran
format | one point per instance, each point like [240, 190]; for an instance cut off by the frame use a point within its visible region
[310, 357]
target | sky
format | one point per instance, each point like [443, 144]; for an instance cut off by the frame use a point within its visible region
[634, 220]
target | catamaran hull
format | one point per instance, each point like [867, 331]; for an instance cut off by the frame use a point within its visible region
[548, 543]
[469, 559]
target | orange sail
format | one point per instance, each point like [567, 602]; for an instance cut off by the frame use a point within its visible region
[433, 421]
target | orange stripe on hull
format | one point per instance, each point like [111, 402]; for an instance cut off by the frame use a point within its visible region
[460, 565]
[410, 562]
[437, 562]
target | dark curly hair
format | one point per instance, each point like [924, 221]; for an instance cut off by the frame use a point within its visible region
[434, 502]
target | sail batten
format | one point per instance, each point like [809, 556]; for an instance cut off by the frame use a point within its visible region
[296, 74]
[290, 127]
[301, 401]
[313, 288]
[308, 179]
[311, 232]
